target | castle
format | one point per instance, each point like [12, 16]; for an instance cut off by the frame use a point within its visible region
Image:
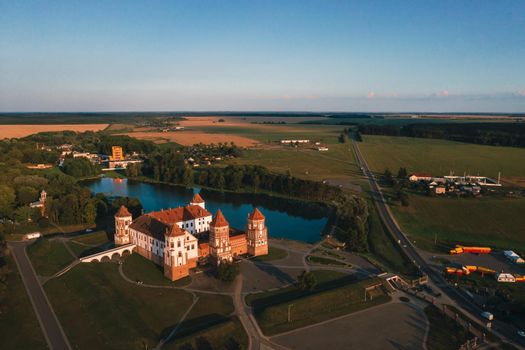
[179, 238]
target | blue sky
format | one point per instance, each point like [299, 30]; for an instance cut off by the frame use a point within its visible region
[262, 55]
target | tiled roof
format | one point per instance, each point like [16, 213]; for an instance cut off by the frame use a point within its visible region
[150, 226]
[421, 175]
[256, 215]
[174, 231]
[179, 214]
[122, 212]
[197, 199]
[219, 220]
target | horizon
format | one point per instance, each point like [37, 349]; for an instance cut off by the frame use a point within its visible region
[379, 57]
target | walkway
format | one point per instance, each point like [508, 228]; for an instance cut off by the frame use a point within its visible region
[55, 337]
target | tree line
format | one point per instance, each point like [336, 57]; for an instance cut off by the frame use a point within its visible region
[493, 134]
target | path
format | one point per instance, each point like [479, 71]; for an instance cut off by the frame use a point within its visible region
[53, 332]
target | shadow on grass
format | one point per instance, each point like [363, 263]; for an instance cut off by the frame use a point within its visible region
[293, 293]
[195, 325]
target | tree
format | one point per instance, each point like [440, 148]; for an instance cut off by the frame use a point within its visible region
[80, 167]
[342, 138]
[133, 170]
[26, 195]
[306, 281]
[402, 196]
[7, 201]
[402, 173]
[389, 180]
[227, 271]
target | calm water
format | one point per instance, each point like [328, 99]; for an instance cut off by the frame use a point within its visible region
[285, 218]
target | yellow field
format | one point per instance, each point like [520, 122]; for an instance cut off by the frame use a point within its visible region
[10, 131]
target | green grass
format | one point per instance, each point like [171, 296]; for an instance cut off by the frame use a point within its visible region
[444, 333]
[227, 334]
[324, 261]
[115, 174]
[273, 254]
[336, 164]
[19, 326]
[313, 307]
[482, 221]
[48, 257]
[439, 157]
[276, 132]
[99, 310]
[139, 268]
[94, 238]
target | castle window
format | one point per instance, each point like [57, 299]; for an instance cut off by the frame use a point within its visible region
[178, 244]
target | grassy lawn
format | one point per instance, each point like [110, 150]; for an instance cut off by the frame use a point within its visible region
[324, 261]
[228, 334]
[138, 268]
[439, 157]
[48, 257]
[336, 164]
[94, 238]
[273, 254]
[444, 333]
[481, 221]
[335, 295]
[99, 310]
[88, 244]
[17, 317]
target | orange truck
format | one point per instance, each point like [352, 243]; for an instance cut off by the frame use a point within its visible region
[475, 250]
[466, 270]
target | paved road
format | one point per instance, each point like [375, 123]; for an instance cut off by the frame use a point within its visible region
[56, 339]
[391, 326]
[503, 330]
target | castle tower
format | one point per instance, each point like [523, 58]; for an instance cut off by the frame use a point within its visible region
[197, 200]
[175, 257]
[220, 248]
[123, 219]
[43, 197]
[257, 234]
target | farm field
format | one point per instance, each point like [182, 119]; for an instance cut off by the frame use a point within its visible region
[188, 138]
[482, 221]
[16, 131]
[439, 157]
[337, 166]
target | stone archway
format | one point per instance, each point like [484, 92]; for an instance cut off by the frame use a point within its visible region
[115, 256]
[105, 258]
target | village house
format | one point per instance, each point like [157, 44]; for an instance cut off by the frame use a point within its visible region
[420, 177]
[178, 238]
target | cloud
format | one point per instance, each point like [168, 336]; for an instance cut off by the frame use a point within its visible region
[371, 94]
[443, 93]
[521, 93]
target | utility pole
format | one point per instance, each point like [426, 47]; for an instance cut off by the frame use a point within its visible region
[289, 314]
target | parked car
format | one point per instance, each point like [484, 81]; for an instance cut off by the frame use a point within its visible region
[487, 315]
[521, 334]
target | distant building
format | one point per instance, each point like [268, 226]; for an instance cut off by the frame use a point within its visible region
[116, 153]
[294, 141]
[420, 177]
[440, 189]
[322, 149]
[177, 238]
[41, 203]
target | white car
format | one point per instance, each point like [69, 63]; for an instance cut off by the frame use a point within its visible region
[521, 334]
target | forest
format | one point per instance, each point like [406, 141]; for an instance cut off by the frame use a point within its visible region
[493, 134]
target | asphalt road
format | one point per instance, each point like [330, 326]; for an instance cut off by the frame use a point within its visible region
[53, 332]
[505, 331]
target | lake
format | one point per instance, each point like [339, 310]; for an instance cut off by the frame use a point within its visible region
[285, 218]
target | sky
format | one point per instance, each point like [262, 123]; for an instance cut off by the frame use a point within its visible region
[196, 55]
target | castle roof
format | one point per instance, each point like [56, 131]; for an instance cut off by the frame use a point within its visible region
[150, 226]
[197, 199]
[219, 220]
[256, 215]
[122, 212]
[174, 230]
[189, 212]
